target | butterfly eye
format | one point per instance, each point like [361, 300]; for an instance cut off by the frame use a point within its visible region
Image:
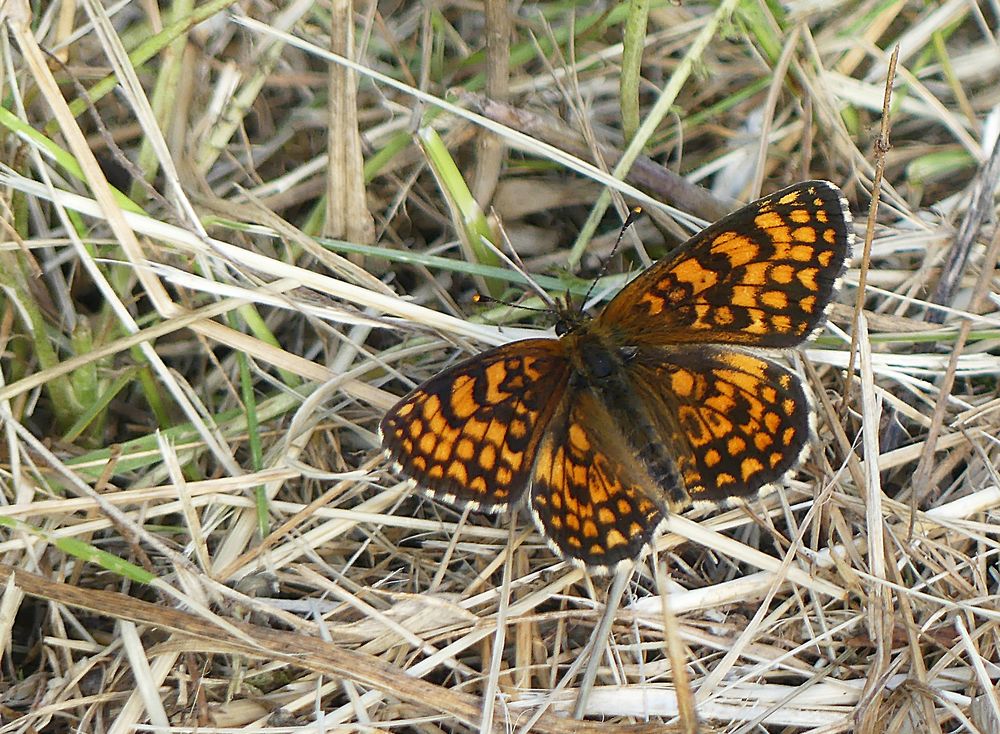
[562, 327]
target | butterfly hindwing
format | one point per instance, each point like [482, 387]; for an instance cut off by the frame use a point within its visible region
[590, 496]
[734, 422]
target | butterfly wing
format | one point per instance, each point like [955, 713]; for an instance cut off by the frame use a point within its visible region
[731, 422]
[469, 434]
[590, 496]
[761, 276]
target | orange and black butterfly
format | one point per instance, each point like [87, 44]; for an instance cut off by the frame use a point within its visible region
[660, 401]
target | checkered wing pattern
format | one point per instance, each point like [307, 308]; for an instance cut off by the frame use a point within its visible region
[469, 434]
[762, 276]
[733, 422]
[590, 493]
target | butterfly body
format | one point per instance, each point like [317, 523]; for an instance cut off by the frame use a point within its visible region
[654, 404]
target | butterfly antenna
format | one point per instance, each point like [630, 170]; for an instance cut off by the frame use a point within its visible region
[483, 298]
[632, 216]
[513, 260]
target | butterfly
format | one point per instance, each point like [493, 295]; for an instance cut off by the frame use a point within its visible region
[661, 401]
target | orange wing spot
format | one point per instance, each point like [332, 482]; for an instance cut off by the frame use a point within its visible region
[428, 442]
[745, 296]
[419, 463]
[737, 248]
[557, 502]
[808, 304]
[465, 450]
[788, 436]
[556, 474]
[437, 424]
[723, 316]
[504, 476]
[719, 425]
[496, 373]
[757, 274]
[436, 472]
[634, 529]
[682, 383]
[804, 234]
[782, 274]
[821, 216]
[770, 220]
[589, 529]
[800, 216]
[721, 404]
[416, 428]
[736, 446]
[829, 236]
[790, 198]
[776, 459]
[624, 508]
[578, 438]
[758, 322]
[772, 421]
[802, 253]
[407, 443]
[432, 406]
[768, 394]
[463, 405]
[572, 539]
[606, 516]
[487, 457]
[807, 277]
[573, 523]
[615, 538]
[599, 491]
[444, 451]
[712, 457]
[723, 479]
[654, 302]
[774, 299]
[405, 410]
[824, 258]
[458, 472]
[496, 434]
[518, 429]
[762, 441]
[691, 272]
[782, 324]
[749, 467]
[746, 374]
[557, 522]
[475, 429]
[701, 311]
[789, 406]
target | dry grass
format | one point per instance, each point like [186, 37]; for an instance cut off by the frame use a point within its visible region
[197, 529]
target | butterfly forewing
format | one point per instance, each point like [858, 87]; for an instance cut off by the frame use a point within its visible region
[469, 434]
[761, 276]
